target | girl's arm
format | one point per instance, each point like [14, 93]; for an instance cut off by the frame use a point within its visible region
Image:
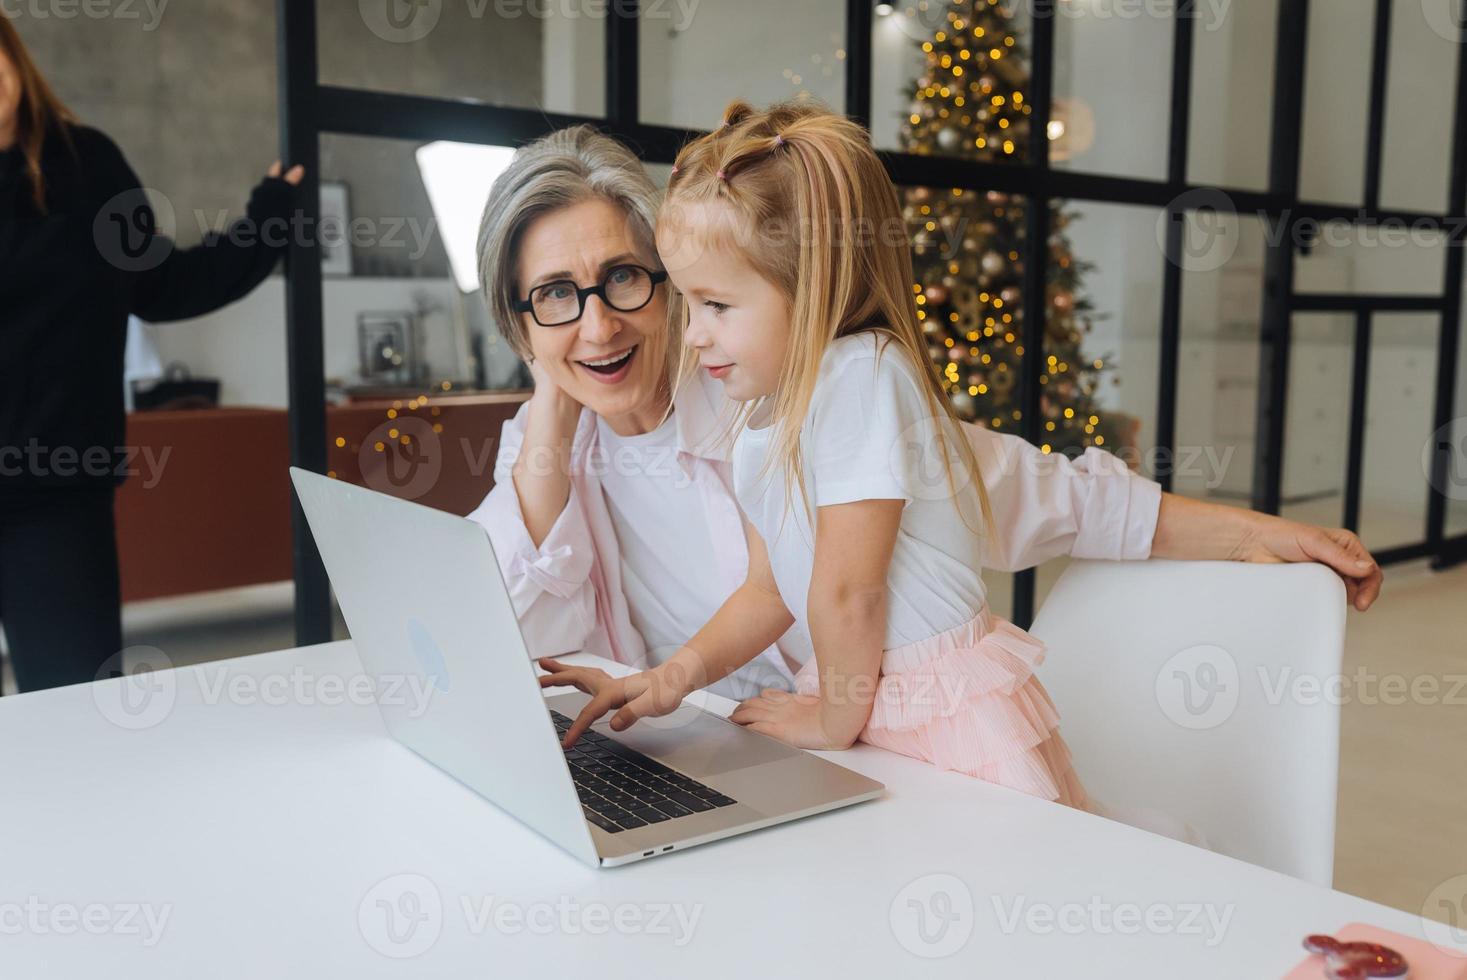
[847, 615]
[747, 623]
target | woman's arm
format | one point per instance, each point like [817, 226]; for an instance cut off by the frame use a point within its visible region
[549, 580]
[541, 473]
[182, 283]
[1047, 506]
[1199, 530]
[847, 612]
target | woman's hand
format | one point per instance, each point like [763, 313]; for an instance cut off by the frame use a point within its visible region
[293, 176]
[551, 402]
[649, 694]
[1271, 539]
[791, 718]
[1199, 530]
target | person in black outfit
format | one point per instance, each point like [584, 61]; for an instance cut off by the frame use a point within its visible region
[79, 253]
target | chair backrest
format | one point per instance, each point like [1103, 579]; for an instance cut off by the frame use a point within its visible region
[1209, 690]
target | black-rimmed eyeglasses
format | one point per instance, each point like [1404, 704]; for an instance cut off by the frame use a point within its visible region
[627, 288]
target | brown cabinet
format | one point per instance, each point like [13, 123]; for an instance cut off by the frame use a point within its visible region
[212, 510]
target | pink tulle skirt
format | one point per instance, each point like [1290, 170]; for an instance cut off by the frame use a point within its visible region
[968, 700]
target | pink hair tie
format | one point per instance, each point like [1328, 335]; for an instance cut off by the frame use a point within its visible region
[778, 140]
[675, 168]
[722, 176]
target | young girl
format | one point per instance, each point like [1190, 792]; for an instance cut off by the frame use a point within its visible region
[785, 238]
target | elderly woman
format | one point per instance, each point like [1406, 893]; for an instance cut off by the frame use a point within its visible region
[612, 512]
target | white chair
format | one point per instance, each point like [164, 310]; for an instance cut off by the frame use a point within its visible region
[1208, 690]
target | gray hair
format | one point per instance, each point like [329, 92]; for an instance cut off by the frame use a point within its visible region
[564, 168]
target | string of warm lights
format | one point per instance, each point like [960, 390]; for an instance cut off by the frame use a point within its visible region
[395, 438]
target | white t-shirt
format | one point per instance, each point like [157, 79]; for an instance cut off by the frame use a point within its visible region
[668, 573]
[870, 436]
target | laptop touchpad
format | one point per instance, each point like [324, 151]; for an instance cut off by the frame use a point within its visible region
[698, 743]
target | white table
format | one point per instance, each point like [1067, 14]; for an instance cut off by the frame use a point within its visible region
[269, 817]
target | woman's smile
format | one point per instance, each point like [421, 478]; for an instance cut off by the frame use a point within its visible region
[613, 367]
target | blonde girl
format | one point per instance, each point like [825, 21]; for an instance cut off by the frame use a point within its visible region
[865, 510]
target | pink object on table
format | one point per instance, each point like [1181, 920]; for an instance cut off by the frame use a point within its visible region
[1424, 960]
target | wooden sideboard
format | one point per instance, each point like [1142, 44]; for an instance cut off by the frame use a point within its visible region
[213, 511]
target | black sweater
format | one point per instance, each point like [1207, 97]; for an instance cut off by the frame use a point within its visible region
[69, 278]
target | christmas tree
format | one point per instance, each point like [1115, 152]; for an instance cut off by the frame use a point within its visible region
[968, 246]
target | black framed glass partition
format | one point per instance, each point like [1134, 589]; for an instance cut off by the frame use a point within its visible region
[1231, 237]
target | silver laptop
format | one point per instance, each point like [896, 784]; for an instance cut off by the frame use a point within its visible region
[423, 597]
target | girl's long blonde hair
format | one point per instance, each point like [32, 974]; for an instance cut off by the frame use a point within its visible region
[814, 213]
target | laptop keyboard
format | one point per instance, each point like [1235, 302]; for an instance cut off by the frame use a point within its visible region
[621, 789]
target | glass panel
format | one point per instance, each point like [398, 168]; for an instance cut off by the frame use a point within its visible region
[1336, 89]
[1109, 290]
[967, 258]
[1391, 257]
[1317, 419]
[543, 56]
[1217, 375]
[1397, 423]
[188, 95]
[412, 362]
[950, 82]
[1112, 88]
[392, 244]
[1232, 97]
[147, 80]
[695, 60]
[1416, 153]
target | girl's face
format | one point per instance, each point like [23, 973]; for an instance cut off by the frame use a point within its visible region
[9, 101]
[610, 361]
[738, 321]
